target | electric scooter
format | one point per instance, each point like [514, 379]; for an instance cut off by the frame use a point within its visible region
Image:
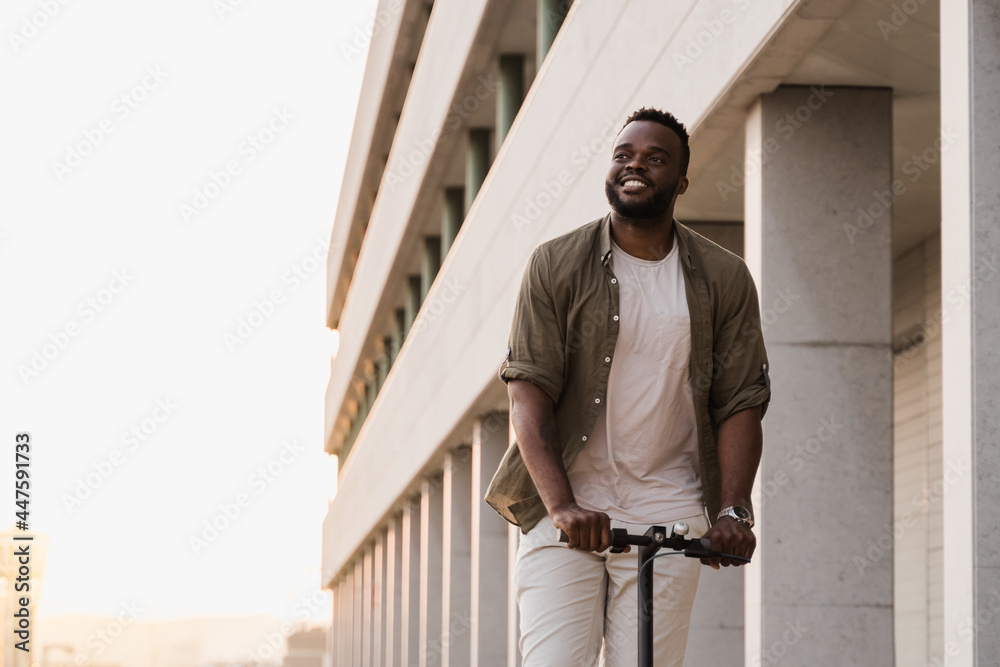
[649, 543]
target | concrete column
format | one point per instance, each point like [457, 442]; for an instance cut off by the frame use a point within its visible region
[429, 264]
[477, 164]
[358, 640]
[824, 492]
[362, 409]
[382, 363]
[339, 658]
[398, 333]
[412, 305]
[367, 607]
[716, 633]
[371, 390]
[347, 608]
[510, 93]
[393, 589]
[551, 14]
[489, 581]
[451, 220]
[455, 556]
[431, 534]
[410, 584]
[513, 613]
[970, 290]
[333, 635]
[378, 602]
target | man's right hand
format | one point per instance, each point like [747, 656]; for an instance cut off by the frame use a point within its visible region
[587, 530]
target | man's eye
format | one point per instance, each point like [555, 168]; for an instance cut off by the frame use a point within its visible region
[656, 159]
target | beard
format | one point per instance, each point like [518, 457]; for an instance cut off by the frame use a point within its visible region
[654, 207]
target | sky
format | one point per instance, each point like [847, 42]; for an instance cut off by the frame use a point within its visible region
[170, 175]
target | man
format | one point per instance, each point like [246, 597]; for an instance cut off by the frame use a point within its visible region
[637, 376]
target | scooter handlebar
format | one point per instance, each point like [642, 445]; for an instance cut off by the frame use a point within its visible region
[694, 548]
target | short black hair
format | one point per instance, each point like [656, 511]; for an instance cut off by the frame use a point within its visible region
[669, 120]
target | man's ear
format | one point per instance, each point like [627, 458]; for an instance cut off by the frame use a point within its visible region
[682, 185]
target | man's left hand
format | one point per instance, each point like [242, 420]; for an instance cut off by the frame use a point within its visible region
[732, 537]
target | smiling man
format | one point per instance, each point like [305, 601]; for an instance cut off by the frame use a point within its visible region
[637, 376]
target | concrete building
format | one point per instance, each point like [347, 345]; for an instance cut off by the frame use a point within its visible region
[846, 148]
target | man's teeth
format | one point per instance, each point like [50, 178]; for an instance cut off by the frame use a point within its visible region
[634, 184]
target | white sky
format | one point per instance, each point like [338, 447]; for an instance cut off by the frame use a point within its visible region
[160, 336]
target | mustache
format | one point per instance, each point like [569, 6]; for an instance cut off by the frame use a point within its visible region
[654, 207]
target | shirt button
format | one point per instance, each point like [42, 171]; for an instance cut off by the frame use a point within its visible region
[597, 400]
[616, 318]
[609, 359]
[585, 438]
[614, 280]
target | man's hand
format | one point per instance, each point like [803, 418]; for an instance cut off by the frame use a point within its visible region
[732, 537]
[587, 531]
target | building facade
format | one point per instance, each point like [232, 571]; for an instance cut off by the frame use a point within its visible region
[846, 149]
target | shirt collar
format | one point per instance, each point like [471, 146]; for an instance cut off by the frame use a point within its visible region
[680, 237]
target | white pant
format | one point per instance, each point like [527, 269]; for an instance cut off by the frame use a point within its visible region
[571, 600]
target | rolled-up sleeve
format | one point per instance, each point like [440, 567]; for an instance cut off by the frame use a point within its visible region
[740, 369]
[535, 345]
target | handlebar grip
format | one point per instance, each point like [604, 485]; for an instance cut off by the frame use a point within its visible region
[619, 539]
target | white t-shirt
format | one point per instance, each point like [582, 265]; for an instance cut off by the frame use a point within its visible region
[640, 464]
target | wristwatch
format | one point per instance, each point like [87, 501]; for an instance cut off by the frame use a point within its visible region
[741, 514]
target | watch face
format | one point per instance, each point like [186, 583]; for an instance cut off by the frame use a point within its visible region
[742, 513]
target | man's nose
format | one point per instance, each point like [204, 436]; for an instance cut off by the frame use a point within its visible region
[635, 164]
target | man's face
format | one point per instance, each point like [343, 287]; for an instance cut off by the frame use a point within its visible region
[644, 177]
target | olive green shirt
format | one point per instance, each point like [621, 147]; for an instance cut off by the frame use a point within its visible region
[563, 340]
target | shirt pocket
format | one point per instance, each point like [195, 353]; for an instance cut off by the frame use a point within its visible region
[673, 341]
